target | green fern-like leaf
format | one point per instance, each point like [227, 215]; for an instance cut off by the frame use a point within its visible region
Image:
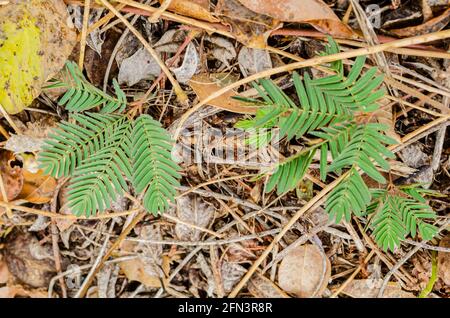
[314, 112]
[367, 143]
[356, 92]
[389, 229]
[336, 138]
[71, 143]
[100, 177]
[397, 216]
[82, 95]
[350, 196]
[153, 169]
[289, 173]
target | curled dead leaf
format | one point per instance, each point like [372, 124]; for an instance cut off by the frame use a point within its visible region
[433, 25]
[204, 85]
[38, 188]
[314, 12]
[198, 9]
[250, 28]
[304, 271]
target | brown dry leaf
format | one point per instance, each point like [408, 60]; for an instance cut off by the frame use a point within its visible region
[231, 274]
[314, 12]
[64, 224]
[204, 85]
[11, 175]
[444, 261]
[38, 188]
[29, 262]
[198, 9]
[17, 290]
[262, 287]
[369, 288]
[145, 269]
[304, 271]
[250, 28]
[4, 272]
[384, 116]
[433, 25]
[36, 38]
[190, 208]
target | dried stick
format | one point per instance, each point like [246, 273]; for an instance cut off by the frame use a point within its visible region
[87, 10]
[155, 16]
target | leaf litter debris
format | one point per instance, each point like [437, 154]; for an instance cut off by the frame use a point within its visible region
[211, 237]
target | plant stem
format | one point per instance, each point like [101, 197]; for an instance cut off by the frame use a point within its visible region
[433, 278]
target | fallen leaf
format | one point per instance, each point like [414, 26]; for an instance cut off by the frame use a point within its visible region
[222, 49]
[231, 274]
[40, 224]
[35, 41]
[262, 287]
[433, 25]
[189, 66]
[23, 143]
[141, 65]
[369, 288]
[250, 28]
[198, 9]
[204, 85]
[17, 290]
[413, 155]
[443, 260]
[96, 63]
[38, 188]
[11, 175]
[29, 262]
[170, 41]
[314, 12]
[304, 271]
[4, 272]
[146, 268]
[190, 208]
[95, 38]
[252, 61]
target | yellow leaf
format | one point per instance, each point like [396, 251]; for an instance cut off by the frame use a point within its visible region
[35, 42]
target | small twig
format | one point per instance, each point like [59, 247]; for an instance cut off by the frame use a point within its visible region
[55, 236]
[157, 14]
[429, 247]
[438, 146]
[65, 216]
[84, 31]
[359, 244]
